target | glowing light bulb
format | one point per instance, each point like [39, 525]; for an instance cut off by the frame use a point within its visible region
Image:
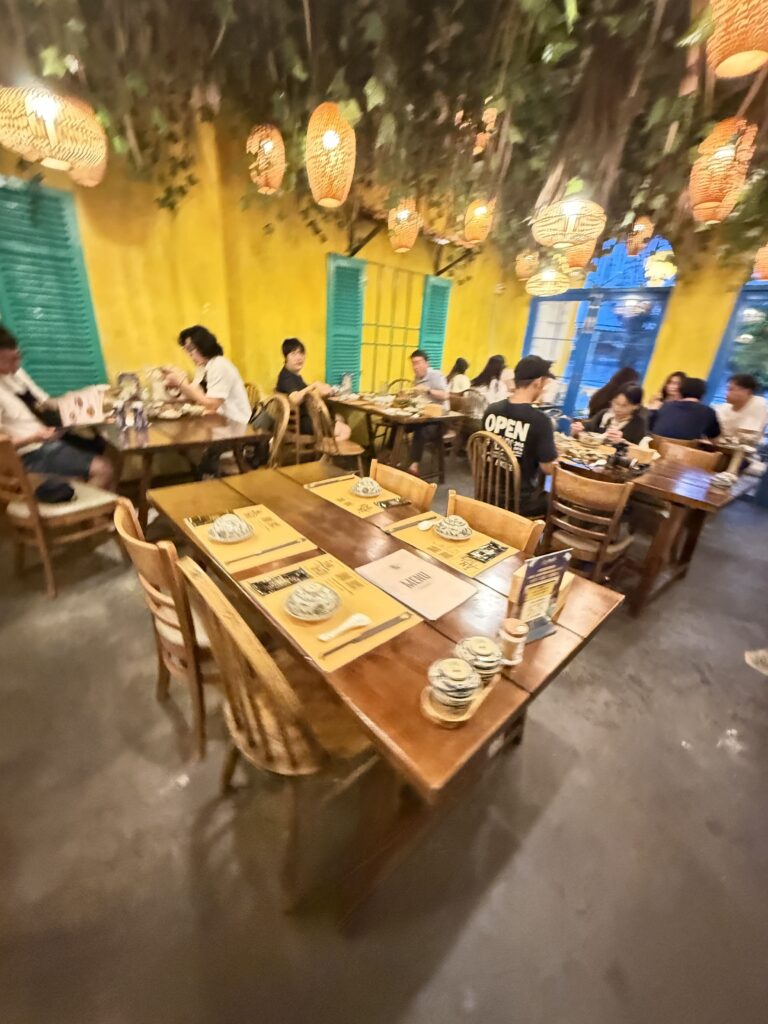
[45, 107]
[402, 214]
[548, 274]
[481, 211]
[442, 241]
[725, 152]
[330, 139]
[572, 208]
[267, 145]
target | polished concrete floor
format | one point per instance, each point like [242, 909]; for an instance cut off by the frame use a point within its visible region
[610, 871]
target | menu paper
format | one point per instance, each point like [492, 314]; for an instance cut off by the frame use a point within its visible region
[428, 589]
[535, 589]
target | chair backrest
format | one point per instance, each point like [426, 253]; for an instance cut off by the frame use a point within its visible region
[586, 508]
[254, 392]
[475, 403]
[399, 384]
[15, 485]
[657, 440]
[156, 567]
[420, 493]
[265, 717]
[456, 401]
[711, 461]
[278, 408]
[499, 523]
[322, 424]
[495, 471]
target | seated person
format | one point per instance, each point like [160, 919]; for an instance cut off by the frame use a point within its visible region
[669, 390]
[528, 431]
[434, 386]
[624, 420]
[745, 410]
[291, 383]
[686, 418]
[458, 381]
[217, 384]
[42, 448]
[490, 382]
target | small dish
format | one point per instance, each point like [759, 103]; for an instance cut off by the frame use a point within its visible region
[453, 528]
[312, 602]
[482, 653]
[453, 682]
[366, 487]
[229, 529]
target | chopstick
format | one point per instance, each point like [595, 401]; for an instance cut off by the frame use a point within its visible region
[333, 480]
[266, 551]
[405, 526]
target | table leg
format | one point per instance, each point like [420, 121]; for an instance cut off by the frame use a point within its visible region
[693, 528]
[658, 556]
[144, 483]
[398, 445]
[239, 454]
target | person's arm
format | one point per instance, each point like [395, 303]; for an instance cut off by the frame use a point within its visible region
[635, 430]
[41, 435]
[653, 415]
[193, 392]
[712, 427]
[440, 394]
[546, 450]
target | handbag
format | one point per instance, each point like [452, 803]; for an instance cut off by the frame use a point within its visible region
[261, 420]
[54, 492]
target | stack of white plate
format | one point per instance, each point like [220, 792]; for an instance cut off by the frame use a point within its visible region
[482, 653]
[453, 683]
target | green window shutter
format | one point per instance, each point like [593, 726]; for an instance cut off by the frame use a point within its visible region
[344, 324]
[434, 317]
[44, 296]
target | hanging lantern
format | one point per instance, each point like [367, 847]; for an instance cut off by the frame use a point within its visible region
[719, 174]
[739, 41]
[569, 221]
[403, 223]
[478, 220]
[548, 281]
[639, 236]
[526, 264]
[266, 144]
[330, 155]
[483, 137]
[577, 258]
[761, 263]
[59, 132]
[660, 267]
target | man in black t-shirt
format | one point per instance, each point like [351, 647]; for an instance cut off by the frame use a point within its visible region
[527, 431]
[291, 383]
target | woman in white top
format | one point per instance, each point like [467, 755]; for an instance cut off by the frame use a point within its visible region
[217, 384]
[489, 381]
[458, 381]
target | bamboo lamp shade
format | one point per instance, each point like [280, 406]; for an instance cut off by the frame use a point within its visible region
[640, 234]
[59, 132]
[578, 257]
[330, 155]
[739, 41]
[761, 263]
[403, 222]
[265, 144]
[549, 280]
[719, 174]
[478, 220]
[570, 221]
[526, 264]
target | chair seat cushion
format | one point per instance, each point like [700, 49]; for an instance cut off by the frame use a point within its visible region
[562, 539]
[87, 499]
[174, 635]
[332, 446]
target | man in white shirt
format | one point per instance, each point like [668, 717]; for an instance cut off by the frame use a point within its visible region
[41, 447]
[433, 385]
[217, 384]
[745, 410]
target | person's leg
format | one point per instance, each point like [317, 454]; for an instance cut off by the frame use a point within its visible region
[421, 436]
[102, 473]
[60, 459]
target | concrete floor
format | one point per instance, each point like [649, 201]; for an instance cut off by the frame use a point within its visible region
[611, 871]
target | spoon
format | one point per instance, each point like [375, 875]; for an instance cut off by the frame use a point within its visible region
[427, 524]
[356, 621]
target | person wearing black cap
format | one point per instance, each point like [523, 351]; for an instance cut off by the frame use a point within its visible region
[528, 431]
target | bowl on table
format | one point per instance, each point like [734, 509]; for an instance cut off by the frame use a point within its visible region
[453, 683]
[482, 653]
[590, 439]
[312, 602]
[453, 528]
[366, 487]
[229, 529]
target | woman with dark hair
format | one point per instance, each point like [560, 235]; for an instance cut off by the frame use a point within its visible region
[603, 396]
[669, 391]
[624, 420]
[489, 383]
[458, 381]
[217, 384]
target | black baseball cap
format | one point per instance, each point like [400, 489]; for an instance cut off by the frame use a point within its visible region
[533, 367]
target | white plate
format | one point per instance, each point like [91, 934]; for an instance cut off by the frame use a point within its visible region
[317, 616]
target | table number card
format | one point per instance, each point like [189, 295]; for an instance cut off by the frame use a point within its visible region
[535, 589]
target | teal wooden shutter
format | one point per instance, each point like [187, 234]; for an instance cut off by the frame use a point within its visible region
[44, 296]
[344, 322]
[434, 317]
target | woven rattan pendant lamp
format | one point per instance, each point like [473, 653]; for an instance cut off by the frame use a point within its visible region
[403, 222]
[265, 144]
[59, 132]
[526, 264]
[720, 172]
[639, 235]
[570, 221]
[330, 155]
[478, 220]
[549, 280]
[739, 41]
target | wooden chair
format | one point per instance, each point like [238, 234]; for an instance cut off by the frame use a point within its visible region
[45, 527]
[585, 514]
[327, 445]
[672, 451]
[495, 471]
[399, 384]
[255, 394]
[183, 647]
[303, 445]
[657, 441]
[272, 439]
[508, 527]
[420, 493]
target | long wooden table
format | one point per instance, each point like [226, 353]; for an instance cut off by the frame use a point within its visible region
[383, 688]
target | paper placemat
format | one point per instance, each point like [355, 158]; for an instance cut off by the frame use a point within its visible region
[271, 540]
[270, 591]
[339, 492]
[458, 554]
[428, 589]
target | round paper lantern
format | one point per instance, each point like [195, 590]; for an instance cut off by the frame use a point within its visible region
[761, 263]
[569, 221]
[548, 281]
[403, 222]
[660, 267]
[739, 41]
[526, 264]
[478, 220]
[578, 257]
[639, 235]
[719, 174]
[330, 155]
[59, 132]
[265, 143]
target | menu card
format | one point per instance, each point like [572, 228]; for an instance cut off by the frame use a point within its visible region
[535, 588]
[429, 590]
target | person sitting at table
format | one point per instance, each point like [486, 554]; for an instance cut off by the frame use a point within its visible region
[624, 420]
[686, 418]
[528, 431]
[217, 384]
[291, 383]
[490, 382]
[669, 390]
[602, 398]
[43, 448]
[458, 381]
[433, 385]
[744, 410]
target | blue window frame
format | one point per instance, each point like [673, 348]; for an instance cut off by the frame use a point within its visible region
[744, 345]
